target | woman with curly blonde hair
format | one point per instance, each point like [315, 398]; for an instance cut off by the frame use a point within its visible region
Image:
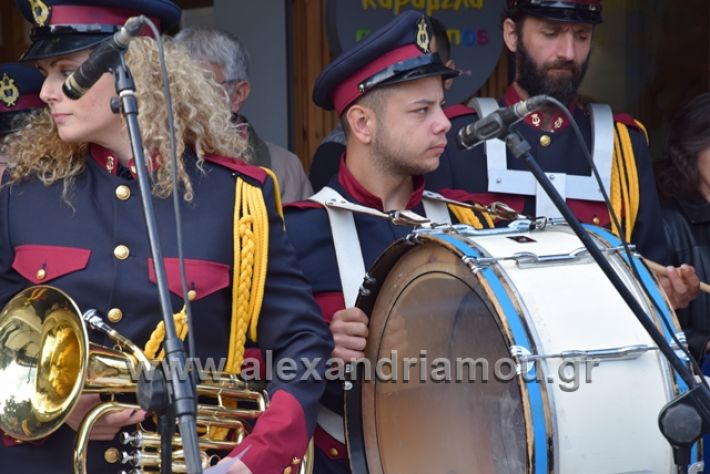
[71, 217]
[204, 126]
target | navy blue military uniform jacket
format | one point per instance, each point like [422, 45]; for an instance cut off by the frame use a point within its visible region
[308, 227]
[466, 170]
[74, 245]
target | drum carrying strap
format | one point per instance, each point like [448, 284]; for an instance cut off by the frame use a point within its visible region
[332, 423]
[348, 253]
[435, 208]
[351, 268]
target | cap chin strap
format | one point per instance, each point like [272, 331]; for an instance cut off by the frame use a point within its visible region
[411, 68]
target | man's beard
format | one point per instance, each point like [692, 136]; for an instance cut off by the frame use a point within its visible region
[536, 80]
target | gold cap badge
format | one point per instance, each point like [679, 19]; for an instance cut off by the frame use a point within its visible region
[8, 91]
[423, 35]
[40, 12]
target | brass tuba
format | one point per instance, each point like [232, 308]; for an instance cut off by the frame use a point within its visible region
[47, 362]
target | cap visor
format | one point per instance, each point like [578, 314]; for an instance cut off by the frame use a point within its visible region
[435, 69]
[60, 45]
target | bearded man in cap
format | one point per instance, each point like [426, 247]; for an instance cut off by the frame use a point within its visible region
[389, 93]
[19, 95]
[552, 42]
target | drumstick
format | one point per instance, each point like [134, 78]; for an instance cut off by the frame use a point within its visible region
[661, 270]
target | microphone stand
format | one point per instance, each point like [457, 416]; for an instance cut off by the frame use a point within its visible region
[154, 393]
[684, 419]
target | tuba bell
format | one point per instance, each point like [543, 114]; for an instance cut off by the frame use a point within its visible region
[47, 362]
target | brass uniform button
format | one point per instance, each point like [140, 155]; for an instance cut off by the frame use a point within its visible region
[115, 315]
[123, 192]
[112, 455]
[333, 452]
[596, 220]
[121, 252]
[191, 295]
[41, 274]
[545, 140]
[295, 460]
[288, 470]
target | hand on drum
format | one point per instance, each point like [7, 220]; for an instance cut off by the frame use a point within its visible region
[106, 428]
[349, 328]
[680, 284]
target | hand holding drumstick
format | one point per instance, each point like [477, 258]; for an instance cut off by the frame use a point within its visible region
[680, 284]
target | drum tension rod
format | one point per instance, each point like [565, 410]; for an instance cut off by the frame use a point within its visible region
[630, 352]
[533, 260]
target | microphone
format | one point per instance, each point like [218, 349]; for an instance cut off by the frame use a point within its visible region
[495, 124]
[102, 59]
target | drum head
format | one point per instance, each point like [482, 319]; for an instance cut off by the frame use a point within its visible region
[438, 399]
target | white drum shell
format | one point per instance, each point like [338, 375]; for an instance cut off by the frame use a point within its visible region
[609, 424]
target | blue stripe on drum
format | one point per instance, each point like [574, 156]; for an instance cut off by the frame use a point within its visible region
[650, 283]
[520, 338]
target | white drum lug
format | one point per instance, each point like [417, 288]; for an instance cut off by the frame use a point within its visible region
[524, 359]
[474, 264]
[680, 352]
[366, 281]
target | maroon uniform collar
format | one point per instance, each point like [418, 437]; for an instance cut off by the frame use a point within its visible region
[362, 196]
[108, 160]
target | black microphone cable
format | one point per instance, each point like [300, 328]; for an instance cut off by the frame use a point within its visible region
[166, 446]
[175, 194]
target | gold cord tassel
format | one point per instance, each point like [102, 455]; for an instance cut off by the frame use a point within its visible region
[158, 335]
[624, 182]
[466, 216]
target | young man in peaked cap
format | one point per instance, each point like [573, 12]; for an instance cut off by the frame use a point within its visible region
[388, 91]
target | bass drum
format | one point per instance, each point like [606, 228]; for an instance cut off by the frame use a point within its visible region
[446, 387]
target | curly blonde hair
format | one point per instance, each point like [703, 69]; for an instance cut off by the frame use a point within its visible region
[202, 122]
